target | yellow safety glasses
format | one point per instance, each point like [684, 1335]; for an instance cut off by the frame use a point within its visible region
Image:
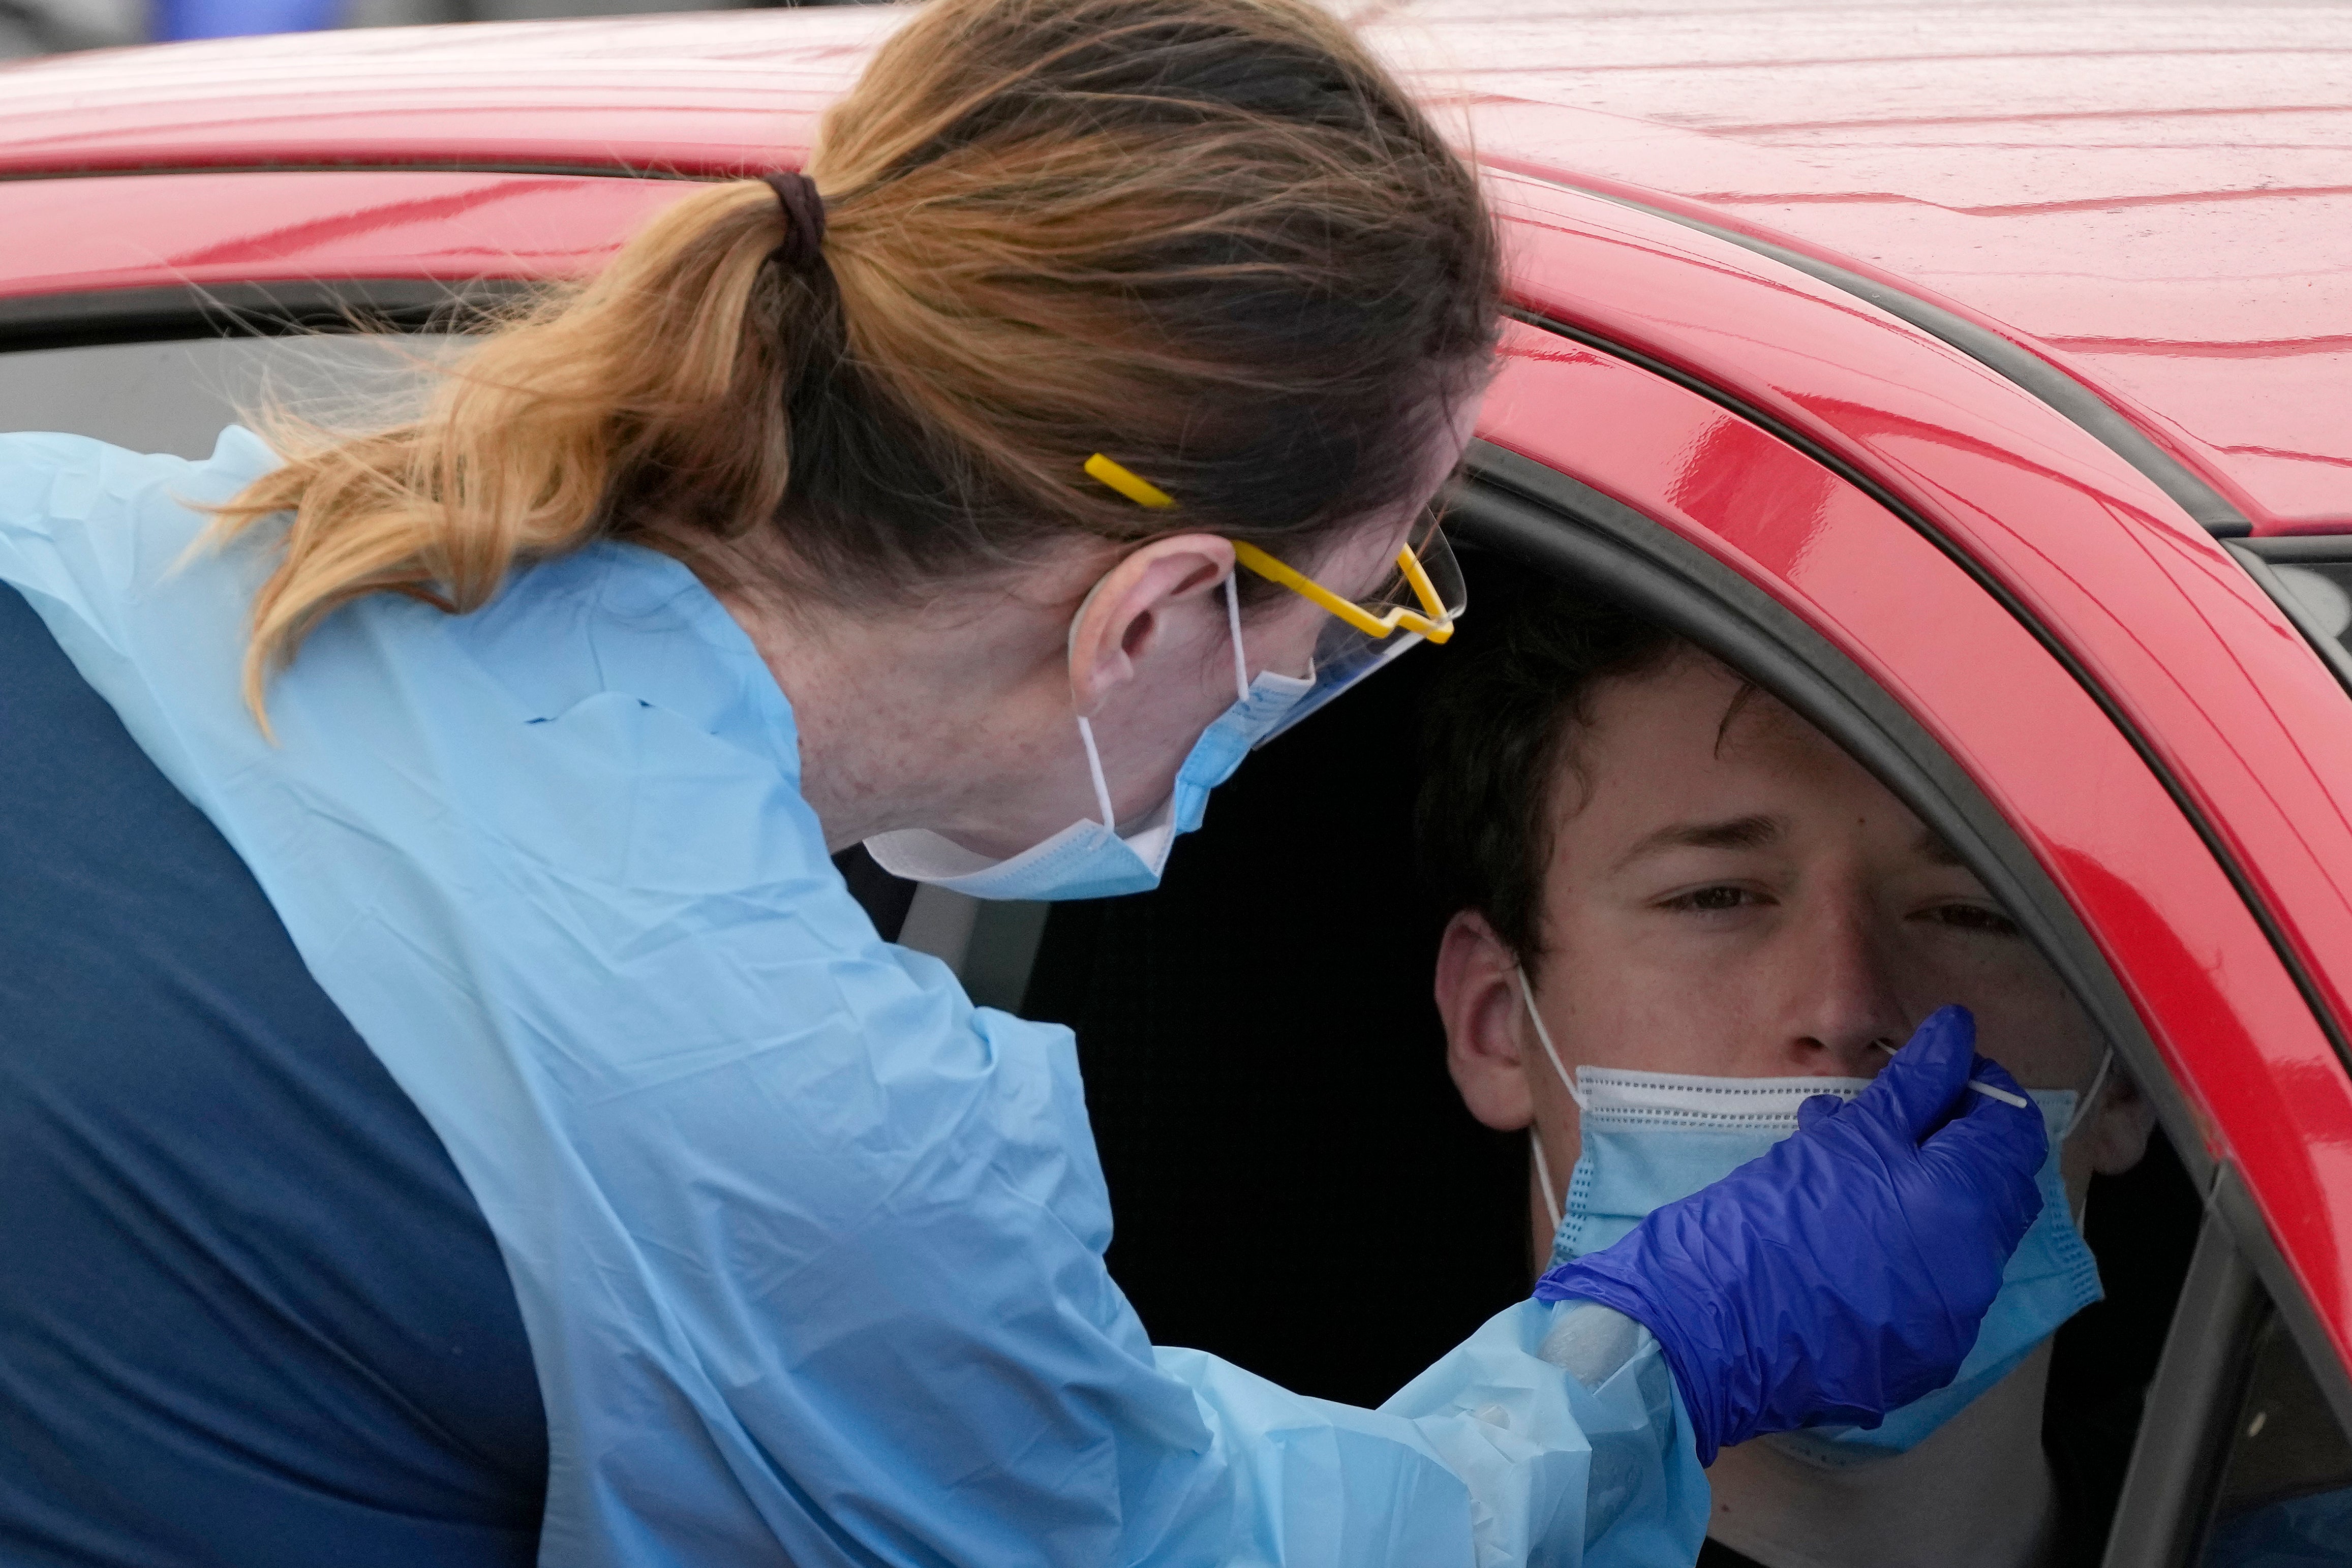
[1419, 602]
[1434, 623]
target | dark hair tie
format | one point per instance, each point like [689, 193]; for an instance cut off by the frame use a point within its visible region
[803, 250]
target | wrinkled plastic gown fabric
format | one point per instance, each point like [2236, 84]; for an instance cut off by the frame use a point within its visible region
[809, 1249]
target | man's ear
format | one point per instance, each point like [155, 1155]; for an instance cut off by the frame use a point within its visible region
[1127, 611]
[1478, 998]
[2120, 1124]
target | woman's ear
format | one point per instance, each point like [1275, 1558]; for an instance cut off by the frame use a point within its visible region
[1478, 998]
[1126, 612]
[2120, 1124]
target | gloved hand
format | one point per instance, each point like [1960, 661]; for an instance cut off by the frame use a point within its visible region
[1846, 1272]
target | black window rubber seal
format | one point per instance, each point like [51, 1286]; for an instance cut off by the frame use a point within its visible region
[570, 169]
[2079, 404]
[178, 312]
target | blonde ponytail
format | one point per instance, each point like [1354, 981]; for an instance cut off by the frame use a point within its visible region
[513, 457]
[1211, 238]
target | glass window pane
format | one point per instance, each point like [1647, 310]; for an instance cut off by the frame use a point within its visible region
[2323, 591]
[176, 396]
[2285, 1494]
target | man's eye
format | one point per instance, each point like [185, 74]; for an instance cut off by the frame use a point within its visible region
[1973, 917]
[1711, 900]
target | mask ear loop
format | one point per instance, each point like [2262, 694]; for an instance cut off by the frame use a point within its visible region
[2091, 1096]
[1543, 1180]
[1543, 1036]
[1094, 769]
[1234, 620]
[2082, 1114]
[1086, 731]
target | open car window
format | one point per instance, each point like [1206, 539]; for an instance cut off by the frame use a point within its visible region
[2245, 1461]
[1289, 1123]
[2282, 1492]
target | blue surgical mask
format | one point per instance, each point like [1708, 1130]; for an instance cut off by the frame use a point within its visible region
[1090, 857]
[1650, 1138]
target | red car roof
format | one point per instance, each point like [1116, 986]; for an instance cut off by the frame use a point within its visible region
[2152, 196]
[2156, 196]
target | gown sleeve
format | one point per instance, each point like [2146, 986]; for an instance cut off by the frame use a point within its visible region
[809, 1249]
[1538, 1467]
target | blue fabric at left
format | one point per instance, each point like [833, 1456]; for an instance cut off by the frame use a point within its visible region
[202, 1359]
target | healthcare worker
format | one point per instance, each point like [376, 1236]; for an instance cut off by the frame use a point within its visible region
[452, 1111]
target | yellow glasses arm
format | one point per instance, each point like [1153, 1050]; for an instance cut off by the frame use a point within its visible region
[1436, 625]
[1132, 485]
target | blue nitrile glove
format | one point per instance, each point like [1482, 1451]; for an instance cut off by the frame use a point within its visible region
[1846, 1272]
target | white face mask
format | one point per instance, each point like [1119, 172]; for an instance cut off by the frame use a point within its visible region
[1089, 859]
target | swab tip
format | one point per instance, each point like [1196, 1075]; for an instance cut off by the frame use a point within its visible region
[2003, 1095]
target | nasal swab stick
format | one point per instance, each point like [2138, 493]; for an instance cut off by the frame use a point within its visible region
[1987, 1089]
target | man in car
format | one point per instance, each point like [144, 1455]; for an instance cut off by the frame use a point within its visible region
[1673, 890]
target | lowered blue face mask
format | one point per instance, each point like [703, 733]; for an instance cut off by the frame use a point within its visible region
[1650, 1138]
[1089, 859]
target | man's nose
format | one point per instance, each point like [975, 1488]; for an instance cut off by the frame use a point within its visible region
[1839, 998]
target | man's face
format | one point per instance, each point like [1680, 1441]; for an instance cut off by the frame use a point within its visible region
[1730, 895]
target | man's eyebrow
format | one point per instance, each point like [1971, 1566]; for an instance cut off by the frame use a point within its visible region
[1752, 833]
[1931, 847]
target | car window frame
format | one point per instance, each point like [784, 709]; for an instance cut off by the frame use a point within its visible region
[1546, 520]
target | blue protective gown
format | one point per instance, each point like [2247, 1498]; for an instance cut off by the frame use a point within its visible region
[808, 1249]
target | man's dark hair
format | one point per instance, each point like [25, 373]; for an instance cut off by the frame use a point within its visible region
[1499, 725]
